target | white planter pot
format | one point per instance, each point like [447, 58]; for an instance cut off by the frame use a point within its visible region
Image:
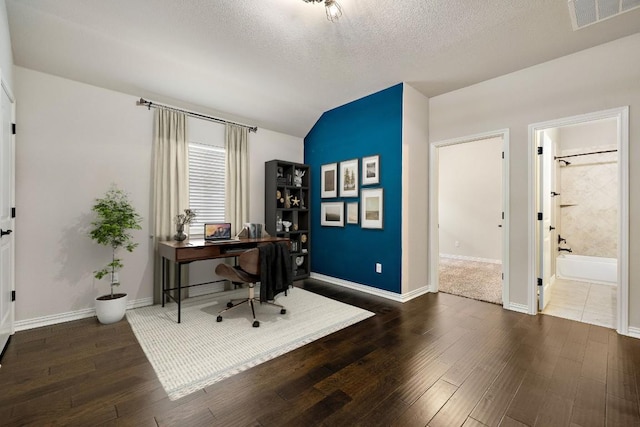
[111, 310]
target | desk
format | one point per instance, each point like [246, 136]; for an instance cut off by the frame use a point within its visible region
[191, 250]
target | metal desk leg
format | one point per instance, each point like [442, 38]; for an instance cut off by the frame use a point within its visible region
[164, 274]
[179, 283]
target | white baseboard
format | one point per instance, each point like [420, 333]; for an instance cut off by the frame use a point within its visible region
[634, 332]
[38, 322]
[370, 290]
[520, 308]
[470, 258]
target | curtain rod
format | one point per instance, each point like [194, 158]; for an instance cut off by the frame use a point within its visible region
[585, 154]
[149, 105]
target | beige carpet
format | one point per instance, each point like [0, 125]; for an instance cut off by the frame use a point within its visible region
[200, 351]
[472, 279]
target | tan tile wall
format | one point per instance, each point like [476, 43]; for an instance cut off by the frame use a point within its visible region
[591, 184]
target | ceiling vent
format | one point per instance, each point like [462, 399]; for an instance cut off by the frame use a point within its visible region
[586, 12]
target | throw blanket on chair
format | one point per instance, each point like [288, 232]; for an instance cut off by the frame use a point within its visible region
[275, 270]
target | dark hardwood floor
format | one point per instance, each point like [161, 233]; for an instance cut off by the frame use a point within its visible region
[438, 360]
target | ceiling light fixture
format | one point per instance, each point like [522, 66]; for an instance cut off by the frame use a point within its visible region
[332, 8]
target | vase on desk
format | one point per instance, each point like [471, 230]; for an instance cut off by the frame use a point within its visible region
[179, 236]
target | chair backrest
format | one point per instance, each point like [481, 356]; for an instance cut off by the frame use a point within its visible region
[249, 261]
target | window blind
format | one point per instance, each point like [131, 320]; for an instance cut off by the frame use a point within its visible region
[206, 184]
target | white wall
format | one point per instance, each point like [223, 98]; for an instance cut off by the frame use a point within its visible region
[596, 79]
[73, 141]
[6, 54]
[415, 186]
[470, 199]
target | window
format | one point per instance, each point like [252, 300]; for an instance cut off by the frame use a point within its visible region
[206, 184]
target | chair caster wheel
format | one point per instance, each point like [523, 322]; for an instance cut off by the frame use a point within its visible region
[283, 311]
[219, 319]
[256, 324]
[229, 304]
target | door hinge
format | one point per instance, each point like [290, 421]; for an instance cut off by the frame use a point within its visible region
[539, 281]
[502, 215]
[503, 154]
[13, 128]
[539, 216]
[13, 212]
[13, 295]
[502, 276]
[539, 150]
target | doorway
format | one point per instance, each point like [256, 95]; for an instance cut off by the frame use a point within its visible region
[579, 182]
[469, 218]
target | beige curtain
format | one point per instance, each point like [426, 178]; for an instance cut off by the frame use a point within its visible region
[170, 181]
[237, 176]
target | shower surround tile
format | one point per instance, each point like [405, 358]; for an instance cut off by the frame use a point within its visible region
[589, 192]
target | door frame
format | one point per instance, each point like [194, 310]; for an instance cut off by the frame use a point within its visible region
[4, 87]
[434, 235]
[621, 114]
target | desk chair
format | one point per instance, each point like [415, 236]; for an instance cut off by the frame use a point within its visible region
[247, 271]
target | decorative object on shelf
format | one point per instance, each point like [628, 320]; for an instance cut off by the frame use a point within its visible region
[302, 200]
[297, 179]
[329, 184]
[286, 224]
[332, 8]
[280, 176]
[181, 220]
[295, 227]
[332, 214]
[303, 238]
[372, 208]
[115, 218]
[349, 178]
[352, 213]
[295, 201]
[287, 199]
[278, 224]
[371, 170]
[299, 260]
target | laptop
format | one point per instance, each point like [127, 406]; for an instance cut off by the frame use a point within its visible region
[217, 232]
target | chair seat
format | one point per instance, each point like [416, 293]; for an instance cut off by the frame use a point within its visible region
[235, 274]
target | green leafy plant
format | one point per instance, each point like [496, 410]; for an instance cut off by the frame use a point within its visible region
[116, 217]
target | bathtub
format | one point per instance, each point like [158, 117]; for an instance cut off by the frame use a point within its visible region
[587, 269]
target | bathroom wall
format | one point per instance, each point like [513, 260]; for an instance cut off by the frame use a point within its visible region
[589, 189]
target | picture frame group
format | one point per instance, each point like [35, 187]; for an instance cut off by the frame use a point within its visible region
[343, 179]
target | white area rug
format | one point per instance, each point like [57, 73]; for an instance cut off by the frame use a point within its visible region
[199, 351]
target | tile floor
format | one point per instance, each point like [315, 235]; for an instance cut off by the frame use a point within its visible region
[586, 302]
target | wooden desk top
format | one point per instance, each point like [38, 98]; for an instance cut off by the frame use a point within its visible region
[199, 249]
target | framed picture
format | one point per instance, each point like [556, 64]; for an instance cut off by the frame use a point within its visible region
[352, 213]
[372, 208]
[371, 170]
[329, 184]
[332, 214]
[349, 178]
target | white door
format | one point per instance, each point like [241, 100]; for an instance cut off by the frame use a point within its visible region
[6, 217]
[545, 165]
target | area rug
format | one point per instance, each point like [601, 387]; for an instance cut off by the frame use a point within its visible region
[199, 351]
[472, 279]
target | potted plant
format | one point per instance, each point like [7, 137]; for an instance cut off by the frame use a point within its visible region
[116, 217]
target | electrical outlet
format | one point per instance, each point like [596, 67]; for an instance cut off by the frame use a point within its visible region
[378, 267]
[457, 244]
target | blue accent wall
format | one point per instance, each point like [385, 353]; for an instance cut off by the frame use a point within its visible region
[368, 126]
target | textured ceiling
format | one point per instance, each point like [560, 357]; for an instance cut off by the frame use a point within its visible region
[280, 64]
